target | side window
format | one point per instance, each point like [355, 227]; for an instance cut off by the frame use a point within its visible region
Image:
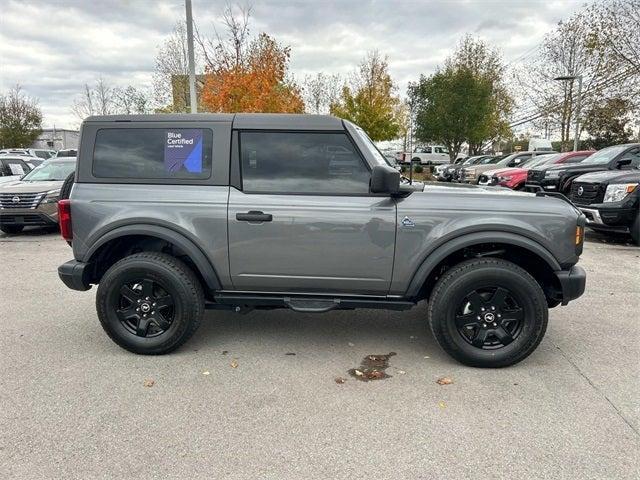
[17, 167]
[300, 162]
[635, 153]
[153, 153]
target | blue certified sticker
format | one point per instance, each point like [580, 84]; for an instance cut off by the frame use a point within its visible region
[183, 151]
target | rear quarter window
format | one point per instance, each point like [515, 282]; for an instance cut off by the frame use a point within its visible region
[153, 153]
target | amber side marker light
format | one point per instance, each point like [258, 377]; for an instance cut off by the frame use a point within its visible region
[579, 234]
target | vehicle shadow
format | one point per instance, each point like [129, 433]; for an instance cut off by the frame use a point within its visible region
[613, 238]
[376, 331]
[31, 232]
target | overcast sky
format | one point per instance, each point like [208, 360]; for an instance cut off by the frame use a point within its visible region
[51, 48]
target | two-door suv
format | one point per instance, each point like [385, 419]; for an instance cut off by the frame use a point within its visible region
[174, 214]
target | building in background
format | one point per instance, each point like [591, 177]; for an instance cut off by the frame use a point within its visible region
[56, 139]
[180, 91]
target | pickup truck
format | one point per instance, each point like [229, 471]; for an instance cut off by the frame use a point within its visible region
[171, 215]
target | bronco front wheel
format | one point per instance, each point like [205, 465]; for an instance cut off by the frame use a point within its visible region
[488, 312]
[150, 303]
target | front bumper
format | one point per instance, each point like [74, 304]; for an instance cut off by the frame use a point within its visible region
[572, 283]
[76, 275]
[45, 214]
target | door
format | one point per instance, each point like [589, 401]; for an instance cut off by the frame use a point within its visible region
[304, 220]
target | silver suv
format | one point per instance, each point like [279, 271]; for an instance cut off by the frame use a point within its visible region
[171, 215]
[31, 200]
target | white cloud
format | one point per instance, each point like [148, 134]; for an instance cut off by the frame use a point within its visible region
[53, 48]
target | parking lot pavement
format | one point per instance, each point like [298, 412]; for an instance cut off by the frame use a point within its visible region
[74, 405]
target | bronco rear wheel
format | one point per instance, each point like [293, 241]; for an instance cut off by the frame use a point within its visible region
[488, 312]
[150, 303]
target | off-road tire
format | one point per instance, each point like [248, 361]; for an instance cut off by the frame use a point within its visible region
[65, 190]
[469, 275]
[634, 229]
[179, 281]
[11, 229]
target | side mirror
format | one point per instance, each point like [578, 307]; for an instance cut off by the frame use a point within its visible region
[623, 162]
[385, 179]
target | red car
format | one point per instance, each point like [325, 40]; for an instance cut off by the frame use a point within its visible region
[516, 177]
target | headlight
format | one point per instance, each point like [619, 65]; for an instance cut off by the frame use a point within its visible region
[504, 179]
[618, 191]
[51, 196]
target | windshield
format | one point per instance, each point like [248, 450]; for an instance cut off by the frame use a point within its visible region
[50, 171]
[543, 160]
[605, 155]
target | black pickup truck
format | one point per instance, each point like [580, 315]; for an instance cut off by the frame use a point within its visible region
[610, 201]
[558, 178]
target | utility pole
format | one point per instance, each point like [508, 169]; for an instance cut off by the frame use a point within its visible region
[578, 102]
[192, 66]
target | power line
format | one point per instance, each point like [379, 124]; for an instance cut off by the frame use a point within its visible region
[605, 83]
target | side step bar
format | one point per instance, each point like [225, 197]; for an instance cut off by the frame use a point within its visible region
[244, 302]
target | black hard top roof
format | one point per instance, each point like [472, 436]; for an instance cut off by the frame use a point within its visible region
[252, 121]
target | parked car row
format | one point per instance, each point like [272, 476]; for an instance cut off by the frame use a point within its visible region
[602, 184]
[31, 199]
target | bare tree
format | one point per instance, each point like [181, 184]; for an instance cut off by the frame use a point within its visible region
[566, 52]
[320, 91]
[103, 99]
[229, 52]
[172, 61]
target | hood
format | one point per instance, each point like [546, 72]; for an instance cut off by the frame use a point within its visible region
[611, 176]
[568, 167]
[30, 187]
[509, 171]
[9, 179]
[465, 188]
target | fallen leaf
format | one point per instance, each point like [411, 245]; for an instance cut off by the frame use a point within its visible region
[149, 383]
[401, 372]
[224, 352]
[234, 363]
[206, 373]
[358, 372]
[289, 353]
[444, 381]
[340, 380]
[442, 405]
[351, 344]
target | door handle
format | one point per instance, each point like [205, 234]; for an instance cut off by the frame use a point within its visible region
[254, 216]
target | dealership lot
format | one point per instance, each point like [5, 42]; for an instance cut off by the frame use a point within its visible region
[74, 405]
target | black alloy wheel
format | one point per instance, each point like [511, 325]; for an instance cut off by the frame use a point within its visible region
[145, 308]
[490, 318]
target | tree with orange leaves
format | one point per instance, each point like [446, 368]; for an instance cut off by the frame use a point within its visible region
[244, 75]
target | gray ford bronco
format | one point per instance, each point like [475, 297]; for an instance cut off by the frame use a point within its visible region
[171, 215]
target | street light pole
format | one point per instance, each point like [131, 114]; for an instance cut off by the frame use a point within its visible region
[192, 66]
[578, 104]
[578, 101]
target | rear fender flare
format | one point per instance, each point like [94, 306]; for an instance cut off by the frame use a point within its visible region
[196, 255]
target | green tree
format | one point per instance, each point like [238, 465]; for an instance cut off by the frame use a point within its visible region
[20, 119]
[370, 101]
[485, 63]
[452, 107]
[607, 123]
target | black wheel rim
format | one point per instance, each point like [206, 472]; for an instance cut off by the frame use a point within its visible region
[145, 308]
[490, 318]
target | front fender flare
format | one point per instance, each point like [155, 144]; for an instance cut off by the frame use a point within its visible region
[196, 255]
[467, 240]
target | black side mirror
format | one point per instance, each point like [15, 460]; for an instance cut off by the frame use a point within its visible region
[385, 179]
